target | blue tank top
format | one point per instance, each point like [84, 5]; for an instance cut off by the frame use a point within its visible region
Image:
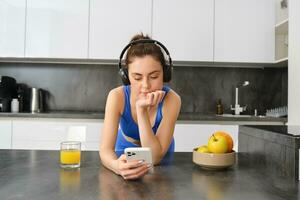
[129, 128]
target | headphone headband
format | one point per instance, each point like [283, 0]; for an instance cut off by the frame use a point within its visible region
[167, 69]
[144, 41]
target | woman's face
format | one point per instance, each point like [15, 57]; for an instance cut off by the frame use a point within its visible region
[145, 75]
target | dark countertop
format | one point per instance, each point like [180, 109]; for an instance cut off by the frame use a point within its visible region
[183, 117]
[37, 175]
[292, 130]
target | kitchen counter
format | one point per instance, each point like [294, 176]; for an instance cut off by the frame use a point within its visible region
[37, 175]
[183, 118]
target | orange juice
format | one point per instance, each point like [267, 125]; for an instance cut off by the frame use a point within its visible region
[70, 157]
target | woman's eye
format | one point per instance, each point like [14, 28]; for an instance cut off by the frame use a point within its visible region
[154, 77]
[137, 78]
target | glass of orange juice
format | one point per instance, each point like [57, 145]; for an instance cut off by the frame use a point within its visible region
[70, 154]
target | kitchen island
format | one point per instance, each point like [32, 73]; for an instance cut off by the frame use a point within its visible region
[34, 174]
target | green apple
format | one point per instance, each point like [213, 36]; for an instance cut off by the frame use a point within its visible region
[203, 149]
[217, 144]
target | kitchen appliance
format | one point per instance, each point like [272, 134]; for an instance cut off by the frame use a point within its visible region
[22, 96]
[8, 91]
[36, 100]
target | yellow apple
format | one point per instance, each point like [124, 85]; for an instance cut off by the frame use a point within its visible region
[228, 138]
[203, 149]
[217, 144]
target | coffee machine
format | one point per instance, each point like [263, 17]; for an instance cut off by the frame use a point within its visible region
[8, 91]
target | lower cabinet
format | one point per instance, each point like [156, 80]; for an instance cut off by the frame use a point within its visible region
[5, 134]
[48, 134]
[188, 136]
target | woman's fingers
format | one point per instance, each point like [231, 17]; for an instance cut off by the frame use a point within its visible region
[155, 98]
[136, 176]
[136, 172]
[162, 94]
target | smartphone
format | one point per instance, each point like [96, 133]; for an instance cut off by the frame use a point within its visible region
[139, 153]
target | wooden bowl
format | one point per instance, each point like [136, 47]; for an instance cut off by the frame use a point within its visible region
[214, 161]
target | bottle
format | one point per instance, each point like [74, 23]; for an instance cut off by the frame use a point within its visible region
[219, 107]
[15, 106]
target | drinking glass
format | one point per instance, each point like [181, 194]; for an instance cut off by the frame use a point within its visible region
[70, 154]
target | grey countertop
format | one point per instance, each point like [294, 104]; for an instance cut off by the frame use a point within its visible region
[183, 117]
[37, 175]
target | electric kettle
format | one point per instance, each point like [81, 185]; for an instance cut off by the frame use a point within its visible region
[36, 100]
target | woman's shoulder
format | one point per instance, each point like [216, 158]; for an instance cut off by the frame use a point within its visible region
[118, 91]
[173, 97]
[116, 96]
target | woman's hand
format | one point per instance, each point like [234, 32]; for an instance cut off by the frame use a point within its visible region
[131, 170]
[149, 100]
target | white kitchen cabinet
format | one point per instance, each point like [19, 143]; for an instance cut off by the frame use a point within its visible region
[48, 134]
[12, 28]
[57, 28]
[186, 28]
[113, 23]
[5, 134]
[294, 63]
[188, 136]
[244, 31]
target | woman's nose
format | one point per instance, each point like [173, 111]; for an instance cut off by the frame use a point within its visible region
[145, 83]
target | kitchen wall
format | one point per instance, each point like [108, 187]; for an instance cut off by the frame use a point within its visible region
[74, 87]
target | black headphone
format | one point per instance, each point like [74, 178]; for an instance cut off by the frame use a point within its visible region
[167, 68]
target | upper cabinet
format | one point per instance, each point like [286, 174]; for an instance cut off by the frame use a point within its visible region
[244, 30]
[281, 31]
[185, 27]
[113, 23]
[192, 30]
[57, 29]
[12, 28]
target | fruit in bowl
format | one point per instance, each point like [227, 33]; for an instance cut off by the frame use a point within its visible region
[217, 154]
[203, 149]
[217, 144]
[228, 139]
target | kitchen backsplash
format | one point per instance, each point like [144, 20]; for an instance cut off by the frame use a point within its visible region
[74, 87]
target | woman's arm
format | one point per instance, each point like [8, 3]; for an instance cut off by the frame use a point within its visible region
[110, 129]
[160, 142]
[113, 109]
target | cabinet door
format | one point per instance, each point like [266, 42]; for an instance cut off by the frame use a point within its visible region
[185, 28]
[189, 136]
[86, 132]
[12, 28]
[48, 134]
[244, 30]
[113, 23]
[57, 28]
[5, 134]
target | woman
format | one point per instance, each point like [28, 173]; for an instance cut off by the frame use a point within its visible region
[142, 113]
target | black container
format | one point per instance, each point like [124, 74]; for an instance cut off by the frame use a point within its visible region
[8, 91]
[5, 104]
[22, 95]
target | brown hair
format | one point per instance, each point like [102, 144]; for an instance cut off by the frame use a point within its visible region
[144, 49]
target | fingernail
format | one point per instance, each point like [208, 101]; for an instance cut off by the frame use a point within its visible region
[141, 161]
[149, 165]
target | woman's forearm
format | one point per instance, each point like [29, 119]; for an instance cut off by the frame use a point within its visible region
[147, 136]
[109, 160]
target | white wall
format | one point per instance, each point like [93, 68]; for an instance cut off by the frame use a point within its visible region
[294, 63]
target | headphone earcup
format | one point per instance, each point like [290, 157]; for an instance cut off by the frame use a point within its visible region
[124, 76]
[167, 73]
